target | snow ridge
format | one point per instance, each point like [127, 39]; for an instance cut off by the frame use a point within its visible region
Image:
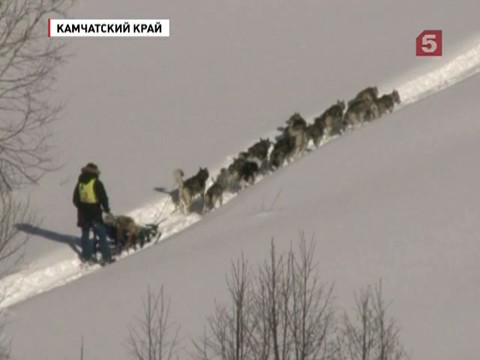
[454, 71]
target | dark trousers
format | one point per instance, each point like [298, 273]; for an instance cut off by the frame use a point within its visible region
[87, 242]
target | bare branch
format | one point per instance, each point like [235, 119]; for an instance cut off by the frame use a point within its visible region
[371, 335]
[229, 329]
[153, 337]
[28, 65]
[282, 312]
[12, 213]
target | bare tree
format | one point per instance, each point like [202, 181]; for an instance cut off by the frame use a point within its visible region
[370, 335]
[153, 338]
[281, 312]
[311, 316]
[11, 242]
[82, 349]
[5, 349]
[299, 312]
[229, 329]
[28, 64]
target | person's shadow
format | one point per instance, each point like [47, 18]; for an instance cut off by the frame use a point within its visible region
[72, 241]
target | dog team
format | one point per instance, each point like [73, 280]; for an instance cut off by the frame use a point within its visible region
[91, 200]
[292, 142]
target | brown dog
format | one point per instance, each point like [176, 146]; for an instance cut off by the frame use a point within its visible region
[124, 225]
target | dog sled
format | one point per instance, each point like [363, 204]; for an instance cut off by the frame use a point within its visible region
[123, 234]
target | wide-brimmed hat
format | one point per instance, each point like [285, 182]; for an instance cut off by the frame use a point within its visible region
[91, 168]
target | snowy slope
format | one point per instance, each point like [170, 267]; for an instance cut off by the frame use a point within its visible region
[396, 200]
[392, 200]
[30, 282]
[229, 73]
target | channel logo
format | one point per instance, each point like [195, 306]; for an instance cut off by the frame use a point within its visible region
[429, 43]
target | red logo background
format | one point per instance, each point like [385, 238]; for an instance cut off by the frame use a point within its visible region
[429, 43]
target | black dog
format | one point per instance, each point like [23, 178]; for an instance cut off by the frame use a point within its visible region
[282, 150]
[249, 172]
[259, 150]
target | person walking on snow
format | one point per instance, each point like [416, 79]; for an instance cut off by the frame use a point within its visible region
[90, 198]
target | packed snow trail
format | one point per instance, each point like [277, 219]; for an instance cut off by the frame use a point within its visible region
[27, 283]
[454, 71]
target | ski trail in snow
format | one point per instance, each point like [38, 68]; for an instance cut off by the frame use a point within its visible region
[454, 71]
[28, 283]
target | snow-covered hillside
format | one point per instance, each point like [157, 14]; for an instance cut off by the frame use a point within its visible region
[394, 200]
[32, 281]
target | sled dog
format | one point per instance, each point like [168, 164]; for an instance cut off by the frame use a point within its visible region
[213, 196]
[125, 233]
[191, 187]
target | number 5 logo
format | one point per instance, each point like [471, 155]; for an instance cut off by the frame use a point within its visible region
[429, 43]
